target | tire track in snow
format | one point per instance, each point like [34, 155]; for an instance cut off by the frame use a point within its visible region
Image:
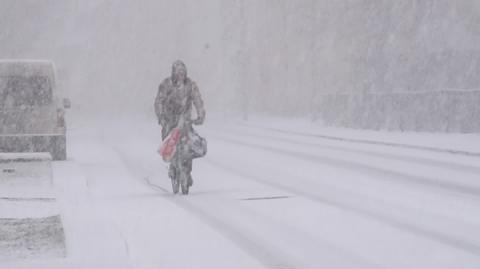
[334, 253]
[390, 156]
[382, 174]
[394, 222]
[263, 252]
[268, 255]
[370, 142]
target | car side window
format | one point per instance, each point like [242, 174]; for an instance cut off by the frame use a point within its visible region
[25, 91]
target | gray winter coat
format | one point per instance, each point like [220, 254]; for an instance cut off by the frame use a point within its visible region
[177, 99]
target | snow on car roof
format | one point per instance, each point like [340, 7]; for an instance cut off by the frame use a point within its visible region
[23, 67]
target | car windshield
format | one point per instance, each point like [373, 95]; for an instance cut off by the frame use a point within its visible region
[17, 91]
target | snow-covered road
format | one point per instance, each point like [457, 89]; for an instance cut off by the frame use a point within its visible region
[267, 199]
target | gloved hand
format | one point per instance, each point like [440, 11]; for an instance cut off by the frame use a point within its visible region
[161, 122]
[198, 121]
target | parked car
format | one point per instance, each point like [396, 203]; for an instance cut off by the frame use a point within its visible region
[32, 109]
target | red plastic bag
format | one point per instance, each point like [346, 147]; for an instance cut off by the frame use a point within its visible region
[169, 146]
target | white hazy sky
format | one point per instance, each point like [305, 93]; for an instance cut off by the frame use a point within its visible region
[269, 55]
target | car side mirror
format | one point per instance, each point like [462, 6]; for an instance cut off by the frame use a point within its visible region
[66, 103]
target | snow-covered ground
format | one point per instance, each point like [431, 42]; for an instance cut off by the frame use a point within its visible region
[270, 193]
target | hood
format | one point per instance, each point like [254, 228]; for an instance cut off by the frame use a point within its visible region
[176, 67]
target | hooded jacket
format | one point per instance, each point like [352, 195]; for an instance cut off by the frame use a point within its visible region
[175, 99]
